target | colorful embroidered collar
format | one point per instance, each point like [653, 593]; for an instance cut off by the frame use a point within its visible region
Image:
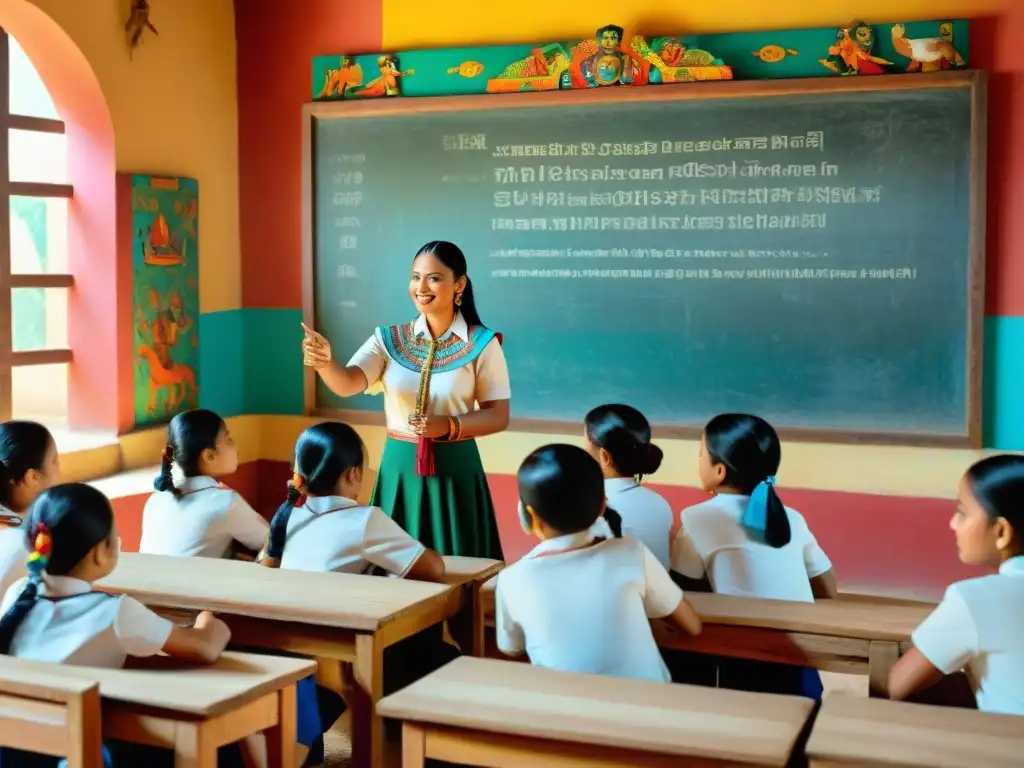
[410, 350]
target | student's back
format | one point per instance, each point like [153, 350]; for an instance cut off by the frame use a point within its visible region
[645, 514]
[619, 438]
[579, 602]
[192, 514]
[713, 542]
[334, 533]
[587, 609]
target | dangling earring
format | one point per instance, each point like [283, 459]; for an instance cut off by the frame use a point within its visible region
[458, 299]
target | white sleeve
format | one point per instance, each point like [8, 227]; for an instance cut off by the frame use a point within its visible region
[685, 558]
[387, 545]
[815, 560]
[661, 595]
[12, 594]
[371, 359]
[509, 635]
[245, 524]
[492, 381]
[140, 631]
[948, 638]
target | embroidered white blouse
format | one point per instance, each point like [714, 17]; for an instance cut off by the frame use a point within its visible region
[392, 359]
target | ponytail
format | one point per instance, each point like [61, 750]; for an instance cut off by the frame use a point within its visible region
[42, 546]
[766, 517]
[165, 480]
[614, 520]
[279, 524]
[468, 306]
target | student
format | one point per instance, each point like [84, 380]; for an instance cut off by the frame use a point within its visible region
[321, 527]
[28, 465]
[744, 541]
[192, 514]
[619, 437]
[979, 625]
[580, 602]
[54, 615]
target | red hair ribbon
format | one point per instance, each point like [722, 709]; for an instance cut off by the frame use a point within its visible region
[298, 484]
[168, 453]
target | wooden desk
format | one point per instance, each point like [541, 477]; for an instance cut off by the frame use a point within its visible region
[832, 635]
[499, 713]
[195, 710]
[330, 615]
[50, 714]
[872, 732]
[470, 573]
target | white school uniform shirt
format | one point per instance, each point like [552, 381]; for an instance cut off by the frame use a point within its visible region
[645, 514]
[13, 554]
[332, 533]
[711, 541]
[453, 391]
[980, 625]
[202, 522]
[586, 610]
[72, 624]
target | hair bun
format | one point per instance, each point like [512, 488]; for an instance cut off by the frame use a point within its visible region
[652, 459]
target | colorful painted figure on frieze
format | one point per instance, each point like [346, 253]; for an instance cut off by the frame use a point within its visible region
[605, 61]
[387, 84]
[853, 52]
[340, 82]
[672, 62]
[926, 54]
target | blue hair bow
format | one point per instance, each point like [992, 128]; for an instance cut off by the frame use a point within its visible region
[756, 516]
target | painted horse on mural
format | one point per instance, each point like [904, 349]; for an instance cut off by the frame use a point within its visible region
[167, 328]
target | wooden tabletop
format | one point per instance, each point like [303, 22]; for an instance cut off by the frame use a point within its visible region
[170, 684]
[360, 603]
[860, 731]
[524, 700]
[459, 570]
[861, 619]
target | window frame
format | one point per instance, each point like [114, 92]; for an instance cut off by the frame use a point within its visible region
[10, 359]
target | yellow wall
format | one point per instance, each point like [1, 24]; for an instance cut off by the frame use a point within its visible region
[174, 109]
[437, 23]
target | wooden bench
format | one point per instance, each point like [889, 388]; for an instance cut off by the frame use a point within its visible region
[872, 732]
[44, 712]
[337, 616]
[851, 636]
[194, 710]
[497, 713]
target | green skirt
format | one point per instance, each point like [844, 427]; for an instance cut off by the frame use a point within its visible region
[452, 512]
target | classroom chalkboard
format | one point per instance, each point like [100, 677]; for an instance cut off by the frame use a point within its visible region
[808, 251]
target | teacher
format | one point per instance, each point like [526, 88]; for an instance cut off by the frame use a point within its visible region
[445, 383]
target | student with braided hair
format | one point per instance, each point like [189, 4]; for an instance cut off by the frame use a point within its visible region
[321, 526]
[55, 615]
[192, 513]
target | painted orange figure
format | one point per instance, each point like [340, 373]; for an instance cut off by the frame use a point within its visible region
[853, 52]
[164, 330]
[387, 83]
[339, 82]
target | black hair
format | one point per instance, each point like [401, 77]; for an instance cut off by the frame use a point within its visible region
[749, 449]
[74, 517]
[610, 28]
[452, 257]
[997, 482]
[23, 447]
[564, 487]
[626, 434]
[323, 454]
[188, 435]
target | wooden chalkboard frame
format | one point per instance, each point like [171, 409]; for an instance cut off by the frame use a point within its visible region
[974, 80]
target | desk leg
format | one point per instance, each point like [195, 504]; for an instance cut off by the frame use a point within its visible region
[281, 738]
[882, 657]
[193, 747]
[367, 728]
[414, 746]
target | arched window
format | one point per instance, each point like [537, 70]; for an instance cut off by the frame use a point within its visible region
[34, 273]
